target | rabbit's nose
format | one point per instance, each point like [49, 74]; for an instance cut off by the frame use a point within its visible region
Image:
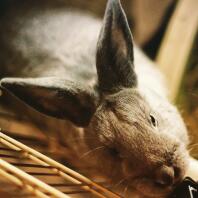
[165, 176]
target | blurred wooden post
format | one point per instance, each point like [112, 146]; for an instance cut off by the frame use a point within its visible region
[177, 44]
[193, 169]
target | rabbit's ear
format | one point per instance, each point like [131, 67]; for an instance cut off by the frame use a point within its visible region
[114, 59]
[55, 97]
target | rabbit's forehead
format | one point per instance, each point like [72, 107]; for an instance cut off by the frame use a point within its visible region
[130, 104]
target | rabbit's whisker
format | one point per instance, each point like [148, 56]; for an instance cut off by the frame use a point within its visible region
[91, 151]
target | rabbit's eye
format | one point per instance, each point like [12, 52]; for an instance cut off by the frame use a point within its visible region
[153, 121]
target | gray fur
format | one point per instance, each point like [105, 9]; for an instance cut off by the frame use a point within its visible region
[61, 45]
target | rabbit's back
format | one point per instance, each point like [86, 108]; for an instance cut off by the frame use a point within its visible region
[49, 42]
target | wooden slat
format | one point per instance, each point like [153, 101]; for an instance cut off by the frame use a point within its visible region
[177, 43]
[18, 177]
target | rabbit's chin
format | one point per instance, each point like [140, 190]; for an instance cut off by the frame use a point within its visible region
[143, 188]
[148, 188]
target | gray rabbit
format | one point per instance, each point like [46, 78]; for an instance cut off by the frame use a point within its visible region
[100, 87]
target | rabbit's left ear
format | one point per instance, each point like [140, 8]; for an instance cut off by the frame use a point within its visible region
[114, 59]
[55, 97]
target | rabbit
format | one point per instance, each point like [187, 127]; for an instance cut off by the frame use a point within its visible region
[99, 87]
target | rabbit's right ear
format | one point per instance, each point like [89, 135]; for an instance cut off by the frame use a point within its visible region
[114, 59]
